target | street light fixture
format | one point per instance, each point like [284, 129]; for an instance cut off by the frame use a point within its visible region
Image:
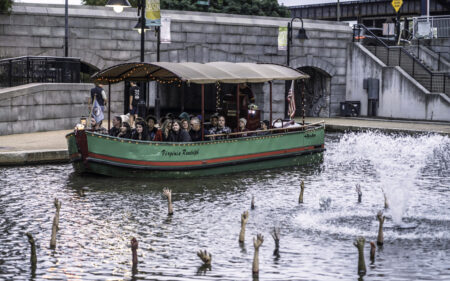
[138, 27]
[301, 35]
[118, 5]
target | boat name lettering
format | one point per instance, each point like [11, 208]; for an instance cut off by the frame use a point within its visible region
[310, 135]
[179, 153]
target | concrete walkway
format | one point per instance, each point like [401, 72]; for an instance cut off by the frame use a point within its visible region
[51, 147]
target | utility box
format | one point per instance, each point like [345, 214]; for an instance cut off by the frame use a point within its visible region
[350, 108]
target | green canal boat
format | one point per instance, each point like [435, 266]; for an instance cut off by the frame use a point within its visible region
[277, 147]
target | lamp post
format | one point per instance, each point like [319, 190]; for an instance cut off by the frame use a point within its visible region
[66, 29]
[118, 6]
[301, 35]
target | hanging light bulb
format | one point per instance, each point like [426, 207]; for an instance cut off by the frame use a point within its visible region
[118, 9]
[118, 5]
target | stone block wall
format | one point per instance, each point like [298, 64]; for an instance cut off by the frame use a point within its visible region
[103, 38]
[44, 107]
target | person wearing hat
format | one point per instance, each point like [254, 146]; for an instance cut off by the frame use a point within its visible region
[242, 127]
[152, 130]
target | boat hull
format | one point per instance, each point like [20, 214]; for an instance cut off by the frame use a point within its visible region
[116, 157]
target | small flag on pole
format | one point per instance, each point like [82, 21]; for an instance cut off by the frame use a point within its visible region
[291, 100]
[97, 112]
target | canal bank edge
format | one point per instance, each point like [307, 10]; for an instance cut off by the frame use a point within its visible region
[29, 157]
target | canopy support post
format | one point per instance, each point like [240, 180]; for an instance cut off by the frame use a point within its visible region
[203, 112]
[109, 106]
[303, 102]
[237, 106]
[270, 104]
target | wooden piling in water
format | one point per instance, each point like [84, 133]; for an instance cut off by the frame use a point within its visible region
[302, 190]
[257, 242]
[55, 226]
[244, 220]
[33, 258]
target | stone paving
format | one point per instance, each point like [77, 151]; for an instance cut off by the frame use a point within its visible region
[51, 147]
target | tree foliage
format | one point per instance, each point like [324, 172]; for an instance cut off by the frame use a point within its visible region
[5, 6]
[242, 7]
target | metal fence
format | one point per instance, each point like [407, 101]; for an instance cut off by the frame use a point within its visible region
[24, 70]
[431, 27]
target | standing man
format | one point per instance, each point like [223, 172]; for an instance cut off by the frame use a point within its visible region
[100, 96]
[246, 96]
[135, 96]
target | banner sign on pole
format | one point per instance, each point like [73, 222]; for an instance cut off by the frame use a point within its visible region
[153, 13]
[397, 4]
[282, 38]
[165, 30]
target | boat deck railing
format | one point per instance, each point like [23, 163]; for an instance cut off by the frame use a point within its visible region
[305, 127]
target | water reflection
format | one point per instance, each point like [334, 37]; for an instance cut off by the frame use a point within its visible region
[93, 242]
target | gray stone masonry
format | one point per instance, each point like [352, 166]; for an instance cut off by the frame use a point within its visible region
[45, 107]
[102, 38]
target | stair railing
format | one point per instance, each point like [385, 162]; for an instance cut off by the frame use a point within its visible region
[417, 66]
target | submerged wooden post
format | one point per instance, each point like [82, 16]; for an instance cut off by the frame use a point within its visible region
[55, 226]
[244, 220]
[276, 237]
[257, 242]
[134, 247]
[168, 193]
[380, 238]
[33, 258]
[386, 203]
[252, 205]
[358, 190]
[359, 244]
[372, 252]
[302, 190]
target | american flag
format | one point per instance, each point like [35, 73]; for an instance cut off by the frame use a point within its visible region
[291, 100]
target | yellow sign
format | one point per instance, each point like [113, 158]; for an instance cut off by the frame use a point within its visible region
[152, 13]
[397, 4]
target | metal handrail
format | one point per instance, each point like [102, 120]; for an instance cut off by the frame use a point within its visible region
[307, 126]
[402, 50]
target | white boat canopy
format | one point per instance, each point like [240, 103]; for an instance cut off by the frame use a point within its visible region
[198, 73]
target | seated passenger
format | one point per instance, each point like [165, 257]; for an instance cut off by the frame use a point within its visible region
[140, 133]
[213, 120]
[125, 131]
[117, 123]
[196, 130]
[152, 130]
[177, 134]
[263, 130]
[165, 130]
[220, 129]
[97, 127]
[185, 125]
[242, 128]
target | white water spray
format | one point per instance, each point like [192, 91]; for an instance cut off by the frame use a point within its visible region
[396, 162]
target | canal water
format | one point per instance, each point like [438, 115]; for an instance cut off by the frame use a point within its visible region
[93, 242]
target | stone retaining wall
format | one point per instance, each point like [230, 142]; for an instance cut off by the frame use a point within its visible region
[103, 38]
[44, 107]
